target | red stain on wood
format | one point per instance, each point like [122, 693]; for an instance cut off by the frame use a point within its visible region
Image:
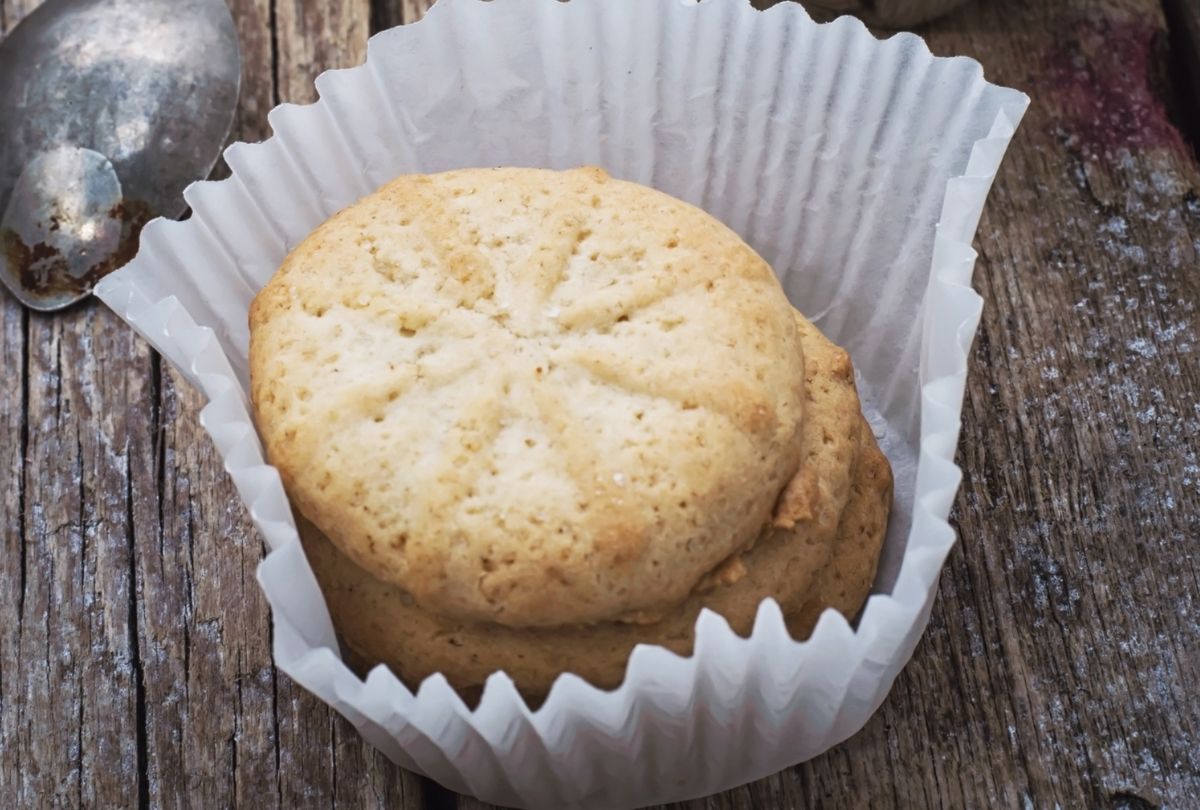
[1101, 80]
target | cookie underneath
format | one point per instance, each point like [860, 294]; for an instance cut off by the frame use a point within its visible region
[821, 552]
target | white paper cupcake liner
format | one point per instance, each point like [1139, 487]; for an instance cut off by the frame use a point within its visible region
[858, 168]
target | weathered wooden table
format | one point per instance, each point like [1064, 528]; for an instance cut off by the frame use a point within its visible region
[1062, 661]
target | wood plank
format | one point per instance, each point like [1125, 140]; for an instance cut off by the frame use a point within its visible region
[13, 562]
[207, 675]
[1067, 614]
[70, 714]
[314, 37]
[138, 669]
[253, 19]
[19, 718]
[71, 718]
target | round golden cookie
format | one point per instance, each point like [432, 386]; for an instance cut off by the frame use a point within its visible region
[837, 502]
[528, 397]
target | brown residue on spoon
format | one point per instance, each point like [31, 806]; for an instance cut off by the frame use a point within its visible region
[41, 269]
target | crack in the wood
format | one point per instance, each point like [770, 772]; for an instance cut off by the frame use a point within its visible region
[189, 574]
[58, 392]
[273, 22]
[188, 591]
[79, 744]
[25, 467]
[233, 737]
[159, 444]
[437, 797]
[385, 14]
[49, 619]
[333, 758]
[275, 715]
[233, 766]
[1183, 71]
[135, 655]
[187, 680]
[83, 580]
[82, 509]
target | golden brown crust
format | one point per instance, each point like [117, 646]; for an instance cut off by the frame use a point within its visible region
[845, 581]
[825, 556]
[530, 397]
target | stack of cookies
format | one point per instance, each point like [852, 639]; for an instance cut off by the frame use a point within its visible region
[529, 419]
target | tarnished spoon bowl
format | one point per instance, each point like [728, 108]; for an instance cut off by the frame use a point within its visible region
[148, 86]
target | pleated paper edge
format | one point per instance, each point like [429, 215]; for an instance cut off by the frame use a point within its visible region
[435, 710]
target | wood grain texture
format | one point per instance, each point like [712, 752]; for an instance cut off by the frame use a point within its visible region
[70, 715]
[135, 670]
[413, 10]
[313, 37]
[256, 38]
[11, 11]
[1060, 660]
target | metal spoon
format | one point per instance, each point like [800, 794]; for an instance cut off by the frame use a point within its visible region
[63, 227]
[140, 92]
